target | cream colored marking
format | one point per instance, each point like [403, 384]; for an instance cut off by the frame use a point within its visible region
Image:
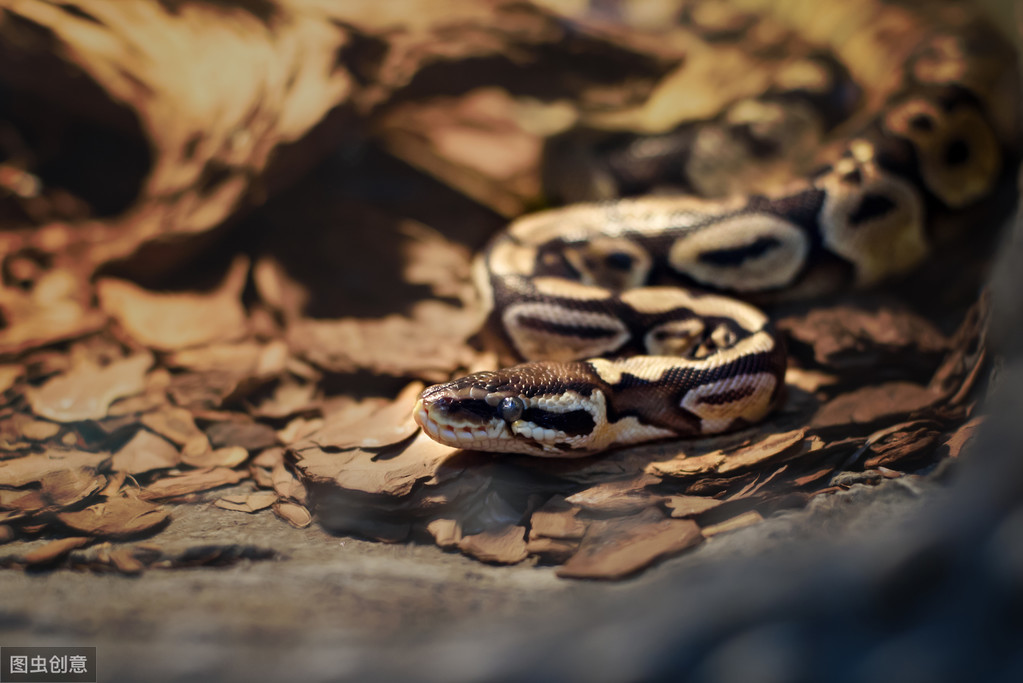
[650, 215]
[956, 185]
[590, 260]
[534, 344]
[884, 245]
[673, 338]
[507, 258]
[631, 430]
[569, 289]
[715, 418]
[775, 268]
[655, 300]
[653, 368]
[805, 74]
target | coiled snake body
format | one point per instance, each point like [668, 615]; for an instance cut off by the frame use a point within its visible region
[625, 310]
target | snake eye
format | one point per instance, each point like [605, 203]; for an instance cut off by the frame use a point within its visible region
[511, 408]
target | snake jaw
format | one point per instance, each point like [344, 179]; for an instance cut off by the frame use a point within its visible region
[454, 414]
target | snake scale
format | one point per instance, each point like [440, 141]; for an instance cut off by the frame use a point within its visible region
[629, 313]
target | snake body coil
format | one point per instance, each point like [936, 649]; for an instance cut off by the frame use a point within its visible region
[624, 310]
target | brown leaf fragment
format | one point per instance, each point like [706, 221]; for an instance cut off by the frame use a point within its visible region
[447, 533]
[621, 497]
[174, 424]
[737, 522]
[772, 447]
[683, 467]
[9, 374]
[287, 485]
[145, 452]
[124, 515]
[294, 514]
[901, 442]
[6, 534]
[251, 502]
[504, 545]
[248, 358]
[612, 549]
[814, 476]
[849, 338]
[552, 550]
[251, 436]
[689, 506]
[430, 343]
[261, 467]
[17, 472]
[53, 311]
[55, 550]
[288, 399]
[68, 487]
[86, 391]
[369, 424]
[962, 436]
[191, 482]
[393, 474]
[40, 430]
[556, 519]
[172, 321]
[873, 403]
[124, 559]
[231, 456]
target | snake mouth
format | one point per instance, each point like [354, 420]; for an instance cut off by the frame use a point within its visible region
[464, 436]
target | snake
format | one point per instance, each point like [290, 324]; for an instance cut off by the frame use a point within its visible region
[638, 315]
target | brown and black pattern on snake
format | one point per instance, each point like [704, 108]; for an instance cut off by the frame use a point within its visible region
[611, 304]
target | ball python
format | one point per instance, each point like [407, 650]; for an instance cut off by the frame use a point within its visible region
[630, 313]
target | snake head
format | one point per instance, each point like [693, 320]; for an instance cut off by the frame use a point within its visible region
[515, 410]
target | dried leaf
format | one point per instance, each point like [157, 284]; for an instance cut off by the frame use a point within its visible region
[87, 390]
[962, 436]
[168, 322]
[556, 519]
[687, 467]
[232, 456]
[125, 560]
[17, 472]
[9, 374]
[251, 502]
[294, 514]
[504, 545]
[848, 338]
[620, 497]
[145, 452]
[771, 448]
[116, 518]
[55, 550]
[191, 482]
[53, 311]
[689, 506]
[251, 436]
[174, 424]
[40, 430]
[447, 533]
[614, 548]
[367, 424]
[872, 403]
[737, 522]
[286, 484]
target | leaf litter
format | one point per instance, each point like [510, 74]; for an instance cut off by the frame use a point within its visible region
[290, 375]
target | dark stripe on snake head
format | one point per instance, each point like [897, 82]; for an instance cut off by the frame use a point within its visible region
[736, 256]
[872, 205]
[573, 423]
